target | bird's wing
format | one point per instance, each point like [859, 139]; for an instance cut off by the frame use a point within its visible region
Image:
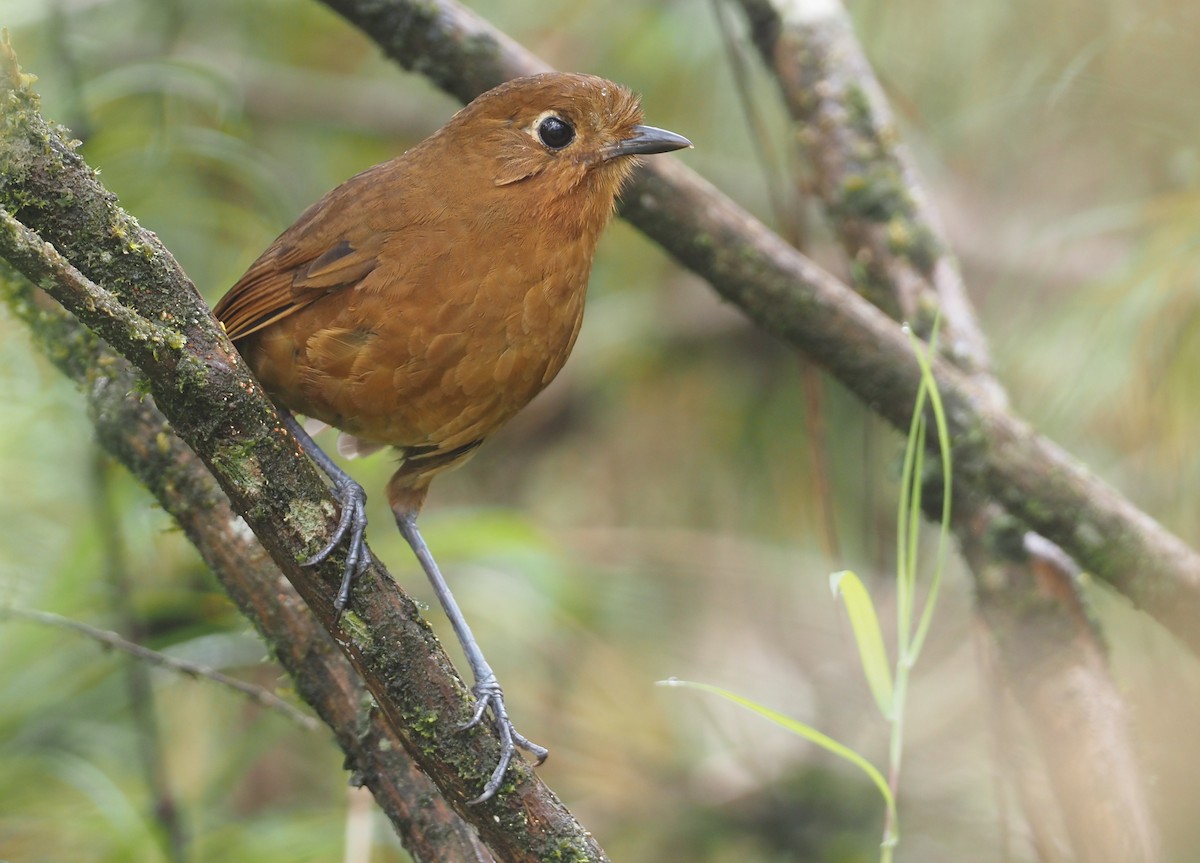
[323, 252]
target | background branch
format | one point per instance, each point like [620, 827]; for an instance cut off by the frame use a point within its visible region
[870, 189]
[1050, 654]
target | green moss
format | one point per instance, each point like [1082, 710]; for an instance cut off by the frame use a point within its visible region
[426, 725]
[192, 374]
[876, 195]
[568, 852]
[925, 316]
[17, 85]
[873, 283]
[1037, 512]
[858, 109]
[1088, 535]
[912, 241]
[239, 463]
[1006, 538]
[308, 517]
[354, 627]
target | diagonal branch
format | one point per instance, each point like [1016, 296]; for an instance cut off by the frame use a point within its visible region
[127, 288]
[866, 178]
[137, 434]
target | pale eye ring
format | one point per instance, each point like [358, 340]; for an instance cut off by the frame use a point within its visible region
[555, 132]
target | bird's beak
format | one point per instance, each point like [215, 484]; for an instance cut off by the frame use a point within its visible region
[646, 140]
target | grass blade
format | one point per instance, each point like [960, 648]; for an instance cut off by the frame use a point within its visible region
[807, 732]
[867, 636]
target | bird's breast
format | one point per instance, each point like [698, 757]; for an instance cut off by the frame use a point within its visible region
[433, 353]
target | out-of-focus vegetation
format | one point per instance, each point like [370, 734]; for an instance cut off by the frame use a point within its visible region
[655, 512]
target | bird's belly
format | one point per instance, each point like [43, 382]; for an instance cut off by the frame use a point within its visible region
[439, 379]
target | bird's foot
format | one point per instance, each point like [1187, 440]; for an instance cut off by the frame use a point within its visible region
[353, 524]
[489, 696]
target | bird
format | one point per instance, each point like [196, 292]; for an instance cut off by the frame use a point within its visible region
[425, 301]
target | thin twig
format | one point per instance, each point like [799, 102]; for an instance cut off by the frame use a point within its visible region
[257, 694]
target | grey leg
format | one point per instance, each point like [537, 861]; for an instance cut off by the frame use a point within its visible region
[487, 688]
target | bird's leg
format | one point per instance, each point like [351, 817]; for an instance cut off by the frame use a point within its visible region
[487, 688]
[353, 518]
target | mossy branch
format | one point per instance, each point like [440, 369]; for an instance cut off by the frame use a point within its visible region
[135, 432]
[63, 231]
[865, 177]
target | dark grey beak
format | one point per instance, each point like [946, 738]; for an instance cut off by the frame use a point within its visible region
[647, 140]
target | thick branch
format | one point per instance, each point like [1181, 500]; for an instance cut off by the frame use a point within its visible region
[137, 434]
[126, 287]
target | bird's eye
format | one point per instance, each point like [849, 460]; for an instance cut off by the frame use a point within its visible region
[555, 132]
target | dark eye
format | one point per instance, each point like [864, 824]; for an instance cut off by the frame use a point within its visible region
[555, 132]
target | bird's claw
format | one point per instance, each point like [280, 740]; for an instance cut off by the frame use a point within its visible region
[352, 522]
[489, 695]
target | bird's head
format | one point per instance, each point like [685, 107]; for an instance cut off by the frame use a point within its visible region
[563, 140]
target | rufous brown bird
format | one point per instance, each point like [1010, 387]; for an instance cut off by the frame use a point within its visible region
[425, 301]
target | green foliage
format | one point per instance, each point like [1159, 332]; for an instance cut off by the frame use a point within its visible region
[867, 636]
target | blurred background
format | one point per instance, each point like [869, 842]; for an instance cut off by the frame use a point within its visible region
[674, 503]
